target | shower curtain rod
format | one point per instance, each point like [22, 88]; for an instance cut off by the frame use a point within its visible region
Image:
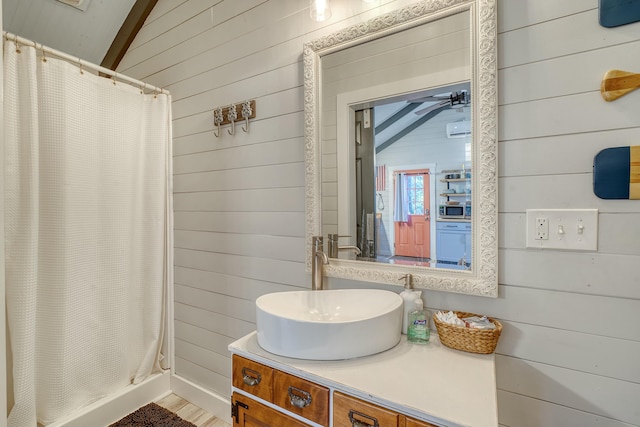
[84, 64]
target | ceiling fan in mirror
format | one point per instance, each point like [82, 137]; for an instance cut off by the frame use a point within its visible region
[458, 99]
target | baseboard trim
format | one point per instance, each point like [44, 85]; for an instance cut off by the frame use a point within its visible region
[112, 408]
[219, 406]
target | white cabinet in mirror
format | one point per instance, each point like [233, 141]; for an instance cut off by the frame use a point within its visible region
[401, 142]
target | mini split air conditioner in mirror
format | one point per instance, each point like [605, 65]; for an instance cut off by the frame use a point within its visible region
[459, 129]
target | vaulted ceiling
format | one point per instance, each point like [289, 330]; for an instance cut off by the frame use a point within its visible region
[99, 34]
[100, 31]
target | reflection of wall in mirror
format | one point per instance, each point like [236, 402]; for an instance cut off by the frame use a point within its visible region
[427, 145]
[437, 53]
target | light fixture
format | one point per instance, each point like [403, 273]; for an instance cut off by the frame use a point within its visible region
[78, 4]
[319, 10]
[369, 1]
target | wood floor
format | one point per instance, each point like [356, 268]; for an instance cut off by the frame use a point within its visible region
[190, 412]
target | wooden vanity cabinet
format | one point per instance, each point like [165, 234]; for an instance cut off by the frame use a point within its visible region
[252, 377]
[293, 394]
[350, 411]
[301, 397]
[410, 422]
[249, 413]
[376, 390]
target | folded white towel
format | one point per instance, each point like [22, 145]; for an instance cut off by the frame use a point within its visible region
[450, 318]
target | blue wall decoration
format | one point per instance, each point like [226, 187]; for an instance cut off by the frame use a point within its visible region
[616, 173]
[614, 13]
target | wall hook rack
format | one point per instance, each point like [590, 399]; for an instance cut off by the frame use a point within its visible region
[616, 83]
[218, 118]
[232, 115]
[228, 115]
[247, 111]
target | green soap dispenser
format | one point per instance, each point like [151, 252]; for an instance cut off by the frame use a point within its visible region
[409, 296]
[419, 331]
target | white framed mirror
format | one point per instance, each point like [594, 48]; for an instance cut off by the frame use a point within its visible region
[401, 147]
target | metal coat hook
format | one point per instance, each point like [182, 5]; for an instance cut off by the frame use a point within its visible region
[217, 120]
[246, 113]
[232, 115]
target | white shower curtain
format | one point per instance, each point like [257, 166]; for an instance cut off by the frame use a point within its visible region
[87, 213]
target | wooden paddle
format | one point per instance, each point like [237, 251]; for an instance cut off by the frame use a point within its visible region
[616, 83]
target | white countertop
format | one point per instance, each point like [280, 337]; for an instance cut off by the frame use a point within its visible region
[429, 382]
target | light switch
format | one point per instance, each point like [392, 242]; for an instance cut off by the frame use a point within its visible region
[571, 229]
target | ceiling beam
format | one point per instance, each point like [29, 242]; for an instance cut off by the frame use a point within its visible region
[422, 120]
[128, 31]
[397, 116]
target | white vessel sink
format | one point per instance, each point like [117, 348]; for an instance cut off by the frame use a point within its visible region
[329, 325]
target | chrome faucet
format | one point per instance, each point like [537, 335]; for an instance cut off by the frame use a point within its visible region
[334, 248]
[354, 248]
[318, 259]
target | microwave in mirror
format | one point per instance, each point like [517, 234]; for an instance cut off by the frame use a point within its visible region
[455, 212]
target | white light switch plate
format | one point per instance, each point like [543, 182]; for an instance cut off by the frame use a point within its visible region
[571, 229]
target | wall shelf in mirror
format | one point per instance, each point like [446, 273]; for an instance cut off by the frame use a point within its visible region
[433, 64]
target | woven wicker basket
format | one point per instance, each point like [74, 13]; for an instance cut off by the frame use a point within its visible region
[482, 341]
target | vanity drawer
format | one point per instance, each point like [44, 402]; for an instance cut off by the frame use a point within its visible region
[346, 409]
[253, 377]
[302, 397]
[248, 413]
[417, 423]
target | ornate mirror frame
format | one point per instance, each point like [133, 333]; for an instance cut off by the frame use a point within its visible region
[483, 279]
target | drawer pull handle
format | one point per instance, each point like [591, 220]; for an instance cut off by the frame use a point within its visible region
[299, 398]
[358, 423]
[251, 377]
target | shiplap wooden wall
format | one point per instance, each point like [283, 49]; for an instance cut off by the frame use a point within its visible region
[571, 344]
